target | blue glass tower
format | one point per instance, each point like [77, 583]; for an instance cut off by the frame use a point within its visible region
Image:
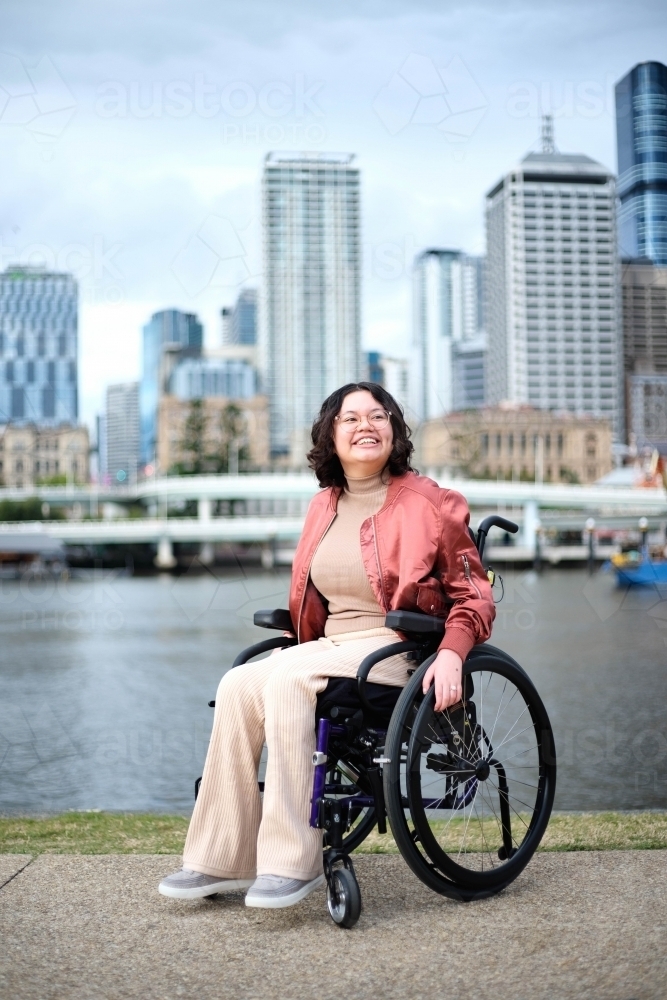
[641, 136]
[244, 323]
[169, 337]
[38, 347]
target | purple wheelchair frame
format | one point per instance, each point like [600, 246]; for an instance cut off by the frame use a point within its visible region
[325, 730]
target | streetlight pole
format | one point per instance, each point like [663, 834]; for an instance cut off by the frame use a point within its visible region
[643, 527]
[590, 528]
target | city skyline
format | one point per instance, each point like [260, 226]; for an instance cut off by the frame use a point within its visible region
[125, 191]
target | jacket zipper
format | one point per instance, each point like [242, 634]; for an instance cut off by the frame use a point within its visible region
[468, 575]
[305, 586]
[377, 559]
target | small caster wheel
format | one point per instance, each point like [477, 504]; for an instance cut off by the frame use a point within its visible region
[344, 898]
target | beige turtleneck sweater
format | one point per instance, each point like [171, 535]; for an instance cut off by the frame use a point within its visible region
[338, 570]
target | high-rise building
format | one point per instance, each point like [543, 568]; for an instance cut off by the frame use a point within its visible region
[310, 329]
[553, 324]
[447, 313]
[239, 324]
[374, 371]
[396, 379]
[647, 411]
[169, 337]
[641, 137]
[121, 428]
[199, 378]
[472, 297]
[644, 289]
[38, 347]
[391, 373]
[468, 368]
[226, 314]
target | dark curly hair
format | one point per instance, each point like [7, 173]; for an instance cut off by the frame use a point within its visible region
[322, 457]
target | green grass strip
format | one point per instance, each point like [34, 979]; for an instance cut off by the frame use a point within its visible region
[609, 831]
[93, 833]
[148, 833]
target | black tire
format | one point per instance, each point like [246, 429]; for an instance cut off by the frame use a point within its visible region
[344, 898]
[469, 819]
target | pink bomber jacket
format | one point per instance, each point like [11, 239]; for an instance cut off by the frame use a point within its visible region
[418, 555]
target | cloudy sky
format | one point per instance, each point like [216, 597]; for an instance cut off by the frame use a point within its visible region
[132, 136]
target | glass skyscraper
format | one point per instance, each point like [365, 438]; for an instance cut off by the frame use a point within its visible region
[310, 332]
[122, 432]
[553, 323]
[38, 347]
[447, 314]
[641, 136]
[169, 337]
[240, 322]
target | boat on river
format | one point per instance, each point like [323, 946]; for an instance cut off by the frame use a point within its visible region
[639, 569]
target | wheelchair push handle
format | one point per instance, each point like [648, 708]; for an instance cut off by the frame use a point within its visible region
[493, 521]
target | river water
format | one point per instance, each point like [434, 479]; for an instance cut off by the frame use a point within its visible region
[105, 679]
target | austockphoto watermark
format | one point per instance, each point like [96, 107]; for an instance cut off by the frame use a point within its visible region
[614, 745]
[569, 99]
[93, 264]
[73, 620]
[34, 97]
[445, 97]
[214, 256]
[90, 587]
[297, 97]
[150, 746]
[275, 134]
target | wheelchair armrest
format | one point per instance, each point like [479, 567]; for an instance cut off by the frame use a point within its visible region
[277, 618]
[280, 642]
[413, 623]
[369, 662]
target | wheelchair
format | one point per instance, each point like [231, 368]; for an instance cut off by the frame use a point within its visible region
[467, 792]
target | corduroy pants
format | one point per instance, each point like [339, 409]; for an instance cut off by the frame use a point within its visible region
[233, 834]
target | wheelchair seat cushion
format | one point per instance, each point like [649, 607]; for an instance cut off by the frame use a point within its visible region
[342, 692]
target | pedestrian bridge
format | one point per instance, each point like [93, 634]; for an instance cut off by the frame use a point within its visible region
[276, 488]
[269, 509]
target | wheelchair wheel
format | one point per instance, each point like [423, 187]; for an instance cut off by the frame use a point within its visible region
[343, 898]
[469, 791]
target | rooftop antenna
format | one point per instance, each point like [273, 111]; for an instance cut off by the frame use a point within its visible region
[548, 144]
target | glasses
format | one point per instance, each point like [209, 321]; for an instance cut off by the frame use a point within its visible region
[350, 422]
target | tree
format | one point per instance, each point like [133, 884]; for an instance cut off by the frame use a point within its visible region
[233, 448]
[465, 443]
[194, 440]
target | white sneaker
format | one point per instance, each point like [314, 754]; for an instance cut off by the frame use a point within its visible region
[187, 884]
[272, 892]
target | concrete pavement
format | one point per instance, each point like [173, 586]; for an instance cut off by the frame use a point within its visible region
[586, 926]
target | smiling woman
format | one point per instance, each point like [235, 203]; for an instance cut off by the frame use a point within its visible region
[378, 537]
[360, 431]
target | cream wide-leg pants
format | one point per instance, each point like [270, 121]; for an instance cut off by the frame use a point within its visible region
[233, 834]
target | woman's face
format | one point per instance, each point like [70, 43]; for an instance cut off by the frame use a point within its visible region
[362, 444]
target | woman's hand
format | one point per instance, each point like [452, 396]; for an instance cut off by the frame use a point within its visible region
[445, 672]
[279, 649]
